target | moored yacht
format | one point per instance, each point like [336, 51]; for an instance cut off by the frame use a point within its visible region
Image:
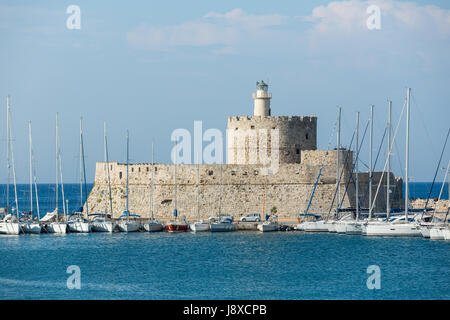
[199, 226]
[101, 224]
[223, 225]
[269, 225]
[311, 223]
[125, 224]
[30, 226]
[78, 224]
[10, 225]
[394, 227]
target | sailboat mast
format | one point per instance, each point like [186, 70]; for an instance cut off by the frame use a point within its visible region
[62, 185]
[8, 166]
[14, 176]
[57, 182]
[370, 162]
[81, 166]
[175, 180]
[34, 178]
[127, 171]
[198, 193]
[220, 193]
[408, 96]
[264, 199]
[106, 169]
[31, 170]
[84, 174]
[357, 166]
[388, 186]
[109, 178]
[338, 156]
[37, 198]
[153, 176]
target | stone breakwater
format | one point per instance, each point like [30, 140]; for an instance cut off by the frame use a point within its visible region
[242, 189]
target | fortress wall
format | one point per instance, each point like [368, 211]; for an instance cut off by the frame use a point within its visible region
[242, 190]
[295, 134]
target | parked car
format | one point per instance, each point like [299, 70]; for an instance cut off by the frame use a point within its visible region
[251, 217]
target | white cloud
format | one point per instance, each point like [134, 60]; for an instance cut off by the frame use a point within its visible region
[409, 33]
[193, 33]
[238, 17]
[333, 34]
[350, 17]
[212, 29]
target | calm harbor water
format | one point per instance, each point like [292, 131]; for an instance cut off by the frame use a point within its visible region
[237, 265]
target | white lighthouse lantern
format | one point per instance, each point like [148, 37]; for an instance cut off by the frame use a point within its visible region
[262, 99]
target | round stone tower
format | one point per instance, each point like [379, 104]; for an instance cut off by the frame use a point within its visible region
[250, 139]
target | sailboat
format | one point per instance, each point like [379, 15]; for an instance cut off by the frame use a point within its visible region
[271, 223]
[176, 225]
[199, 225]
[125, 224]
[432, 226]
[100, 222]
[56, 226]
[398, 226]
[224, 223]
[355, 227]
[152, 225]
[30, 225]
[314, 223]
[76, 222]
[10, 223]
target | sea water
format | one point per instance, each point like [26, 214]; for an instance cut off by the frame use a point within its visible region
[235, 265]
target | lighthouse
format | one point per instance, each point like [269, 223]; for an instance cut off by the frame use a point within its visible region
[261, 99]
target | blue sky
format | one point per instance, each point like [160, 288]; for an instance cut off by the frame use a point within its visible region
[155, 66]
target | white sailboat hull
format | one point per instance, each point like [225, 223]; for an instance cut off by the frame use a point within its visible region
[199, 226]
[425, 230]
[57, 227]
[315, 226]
[128, 226]
[31, 227]
[446, 233]
[79, 227]
[153, 227]
[353, 228]
[268, 227]
[222, 227]
[102, 226]
[393, 230]
[331, 227]
[437, 233]
[340, 227]
[9, 228]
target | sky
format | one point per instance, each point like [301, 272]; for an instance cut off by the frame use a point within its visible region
[151, 67]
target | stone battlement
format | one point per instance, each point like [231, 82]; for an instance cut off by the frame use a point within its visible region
[272, 118]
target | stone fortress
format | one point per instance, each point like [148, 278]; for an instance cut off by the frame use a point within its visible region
[290, 146]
